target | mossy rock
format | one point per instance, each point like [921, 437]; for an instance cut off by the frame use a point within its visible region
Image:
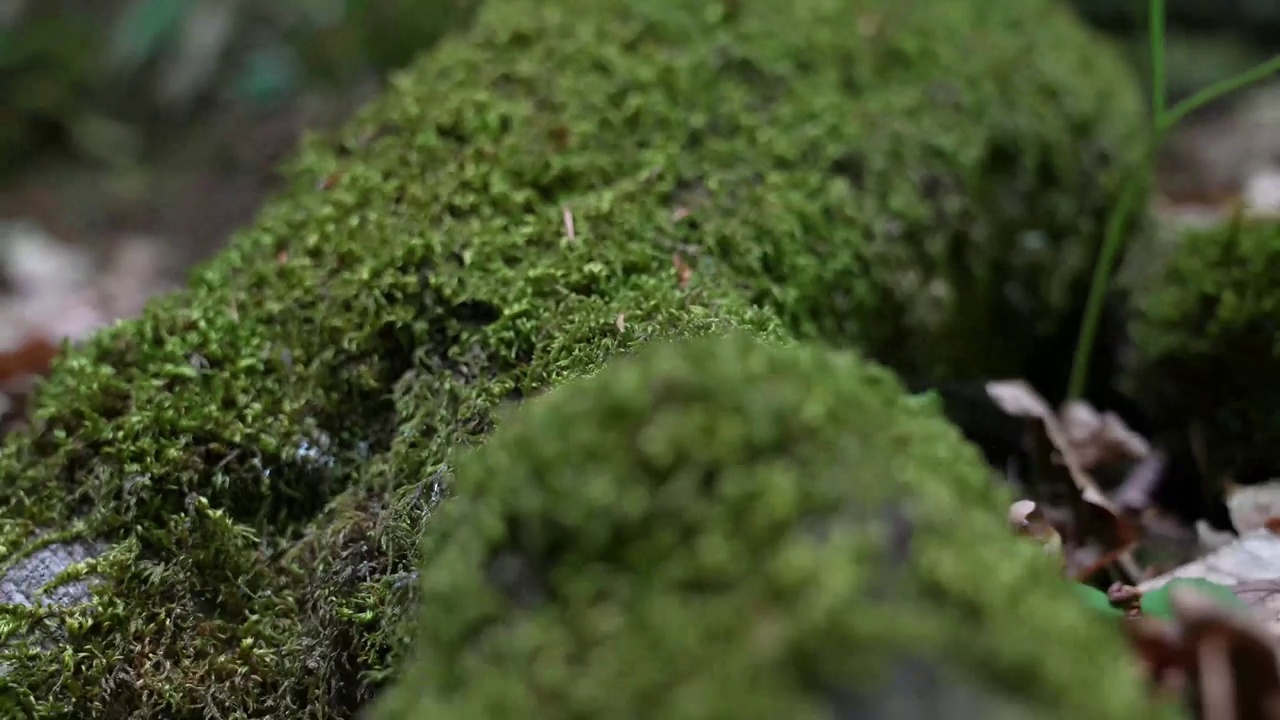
[1206, 342]
[250, 462]
[927, 185]
[725, 528]
[227, 446]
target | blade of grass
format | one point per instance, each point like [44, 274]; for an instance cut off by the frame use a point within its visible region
[1159, 84]
[1138, 179]
[1223, 87]
[1112, 242]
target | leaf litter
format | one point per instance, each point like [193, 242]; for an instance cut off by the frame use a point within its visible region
[1206, 631]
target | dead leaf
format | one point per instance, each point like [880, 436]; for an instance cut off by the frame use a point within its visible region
[1159, 645]
[1100, 439]
[1226, 657]
[1264, 597]
[1234, 658]
[683, 270]
[1136, 491]
[1251, 506]
[31, 358]
[1026, 520]
[20, 370]
[1096, 519]
[1252, 556]
[1018, 399]
[1250, 566]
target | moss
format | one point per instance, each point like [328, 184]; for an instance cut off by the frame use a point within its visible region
[187, 438]
[1206, 338]
[929, 185]
[205, 439]
[727, 528]
[254, 450]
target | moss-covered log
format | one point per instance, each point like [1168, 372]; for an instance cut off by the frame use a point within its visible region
[1206, 340]
[250, 461]
[730, 529]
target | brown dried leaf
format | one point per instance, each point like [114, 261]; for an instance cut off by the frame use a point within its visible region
[32, 358]
[1097, 519]
[1100, 439]
[1159, 645]
[1224, 656]
[1233, 658]
[684, 271]
[1019, 399]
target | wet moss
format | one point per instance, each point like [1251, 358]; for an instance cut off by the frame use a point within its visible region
[729, 528]
[1206, 341]
[206, 440]
[929, 185]
[254, 451]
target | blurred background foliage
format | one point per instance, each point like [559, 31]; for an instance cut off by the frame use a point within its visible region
[1207, 39]
[103, 76]
[1257, 19]
[170, 117]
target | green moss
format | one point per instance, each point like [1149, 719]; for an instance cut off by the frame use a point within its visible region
[1206, 338]
[255, 451]
[726, 528]
[179, 437]
[928, 184]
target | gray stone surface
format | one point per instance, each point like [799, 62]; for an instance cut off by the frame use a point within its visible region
[23, 583]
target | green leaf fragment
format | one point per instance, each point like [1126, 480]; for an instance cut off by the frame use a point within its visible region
[1159, 602]
[1096, 599]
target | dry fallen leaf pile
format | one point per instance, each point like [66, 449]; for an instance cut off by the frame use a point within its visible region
[1096, 534]
[1220, 662]
[1088, 497]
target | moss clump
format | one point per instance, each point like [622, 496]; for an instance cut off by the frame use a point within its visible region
[1206, 338]
[727, 528]
[254, 451]
[206, 440]
[929, 185]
